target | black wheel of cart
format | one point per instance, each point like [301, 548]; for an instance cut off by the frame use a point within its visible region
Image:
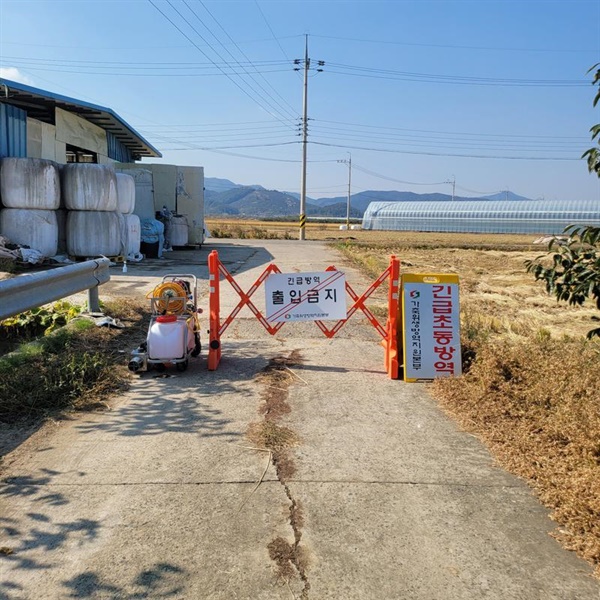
[182, 366]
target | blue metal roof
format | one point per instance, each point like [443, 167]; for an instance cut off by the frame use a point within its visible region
[40, 104]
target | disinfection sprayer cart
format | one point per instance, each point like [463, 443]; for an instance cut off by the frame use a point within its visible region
[174, 332]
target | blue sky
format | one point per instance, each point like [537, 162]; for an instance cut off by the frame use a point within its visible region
[491, 93]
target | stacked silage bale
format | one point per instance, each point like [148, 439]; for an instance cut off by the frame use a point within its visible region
[30, 193]
[129, 223]
[90, 196]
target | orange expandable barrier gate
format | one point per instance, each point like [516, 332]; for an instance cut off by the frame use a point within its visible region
[389, 332]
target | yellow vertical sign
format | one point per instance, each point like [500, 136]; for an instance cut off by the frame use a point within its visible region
[431, 326]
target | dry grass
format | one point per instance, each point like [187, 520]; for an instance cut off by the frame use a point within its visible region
[536, 405]
[496, 292]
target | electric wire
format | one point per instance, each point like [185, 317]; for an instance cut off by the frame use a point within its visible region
[457, 155]
[456, 46]
[236, 83]
[293, 112]
[478, 134]
[390, 74]
[506, 144]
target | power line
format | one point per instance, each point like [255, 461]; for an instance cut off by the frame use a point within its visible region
[387, 128]
[116, 63]
[271, 30]
[379, 176]
[244, 91]
[294, 113]
[519, 145]
[458, 47]
[389, 150]
[451, 79]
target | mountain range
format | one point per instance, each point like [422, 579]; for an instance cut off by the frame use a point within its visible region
[224, 197]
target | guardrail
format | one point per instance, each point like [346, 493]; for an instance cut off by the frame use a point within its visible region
[30, 291]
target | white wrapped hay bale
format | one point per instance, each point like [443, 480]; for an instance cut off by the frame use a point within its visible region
[37, 229]
[125, 193]
[89, 187]
[93, 233]
[31, 183]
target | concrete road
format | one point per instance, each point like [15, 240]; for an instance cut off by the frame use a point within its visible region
[158, 497]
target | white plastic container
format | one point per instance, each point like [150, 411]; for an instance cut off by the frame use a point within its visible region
[179, 231]
[134, 233]
[170, 338]
[93, 233]
[37, 229]
[125, 193]
[91, 187]
[31, 183]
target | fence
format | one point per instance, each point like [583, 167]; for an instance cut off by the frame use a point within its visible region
[388, 332]
[29, 291]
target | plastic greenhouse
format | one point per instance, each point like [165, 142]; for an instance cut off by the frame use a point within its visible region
[482, 216]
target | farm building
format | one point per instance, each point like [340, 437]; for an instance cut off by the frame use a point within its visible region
[482, 216]
[70, 183]
[35, 123]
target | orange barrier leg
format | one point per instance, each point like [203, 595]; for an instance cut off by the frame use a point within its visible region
[392, 350]
[214, 342]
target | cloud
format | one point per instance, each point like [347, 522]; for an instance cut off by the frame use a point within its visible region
[14, 74]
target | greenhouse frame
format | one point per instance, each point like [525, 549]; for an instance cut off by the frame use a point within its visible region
[482, 216]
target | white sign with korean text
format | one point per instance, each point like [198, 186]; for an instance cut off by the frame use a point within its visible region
[431, 324]
[306, 296]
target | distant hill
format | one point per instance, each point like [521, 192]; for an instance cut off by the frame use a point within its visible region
[215, 184]
[224, 197]
[252, 202]
[504, 196]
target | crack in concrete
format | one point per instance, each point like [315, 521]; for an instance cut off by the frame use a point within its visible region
[291, 558]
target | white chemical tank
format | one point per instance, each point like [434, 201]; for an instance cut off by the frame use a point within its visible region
[170, 338]
[125, 193]
[179, 233]
[91, 187]
[93, 233]
[29, 183]
[37, 229]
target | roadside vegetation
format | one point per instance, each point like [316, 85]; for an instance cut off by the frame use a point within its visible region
[55, 359]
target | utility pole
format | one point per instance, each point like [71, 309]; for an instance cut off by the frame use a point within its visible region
[453, 182]
[349, 163]
[304, 136]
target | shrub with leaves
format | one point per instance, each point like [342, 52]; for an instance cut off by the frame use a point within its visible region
[573, 274]
[593, 154]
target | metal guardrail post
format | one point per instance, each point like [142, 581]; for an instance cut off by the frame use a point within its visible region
[93, 300]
